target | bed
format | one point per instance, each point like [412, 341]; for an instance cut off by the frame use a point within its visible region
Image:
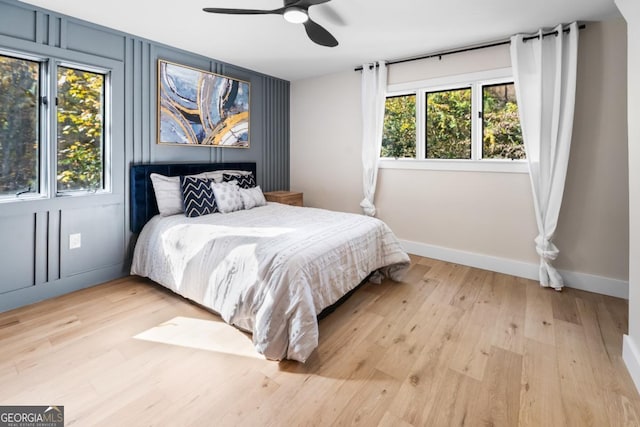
[269, 270]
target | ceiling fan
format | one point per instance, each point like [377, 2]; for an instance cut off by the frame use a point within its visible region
[295, 11]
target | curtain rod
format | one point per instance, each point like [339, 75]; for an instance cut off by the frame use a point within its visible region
[467, 49]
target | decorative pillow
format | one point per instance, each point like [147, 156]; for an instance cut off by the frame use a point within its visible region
[233, 172]
[227, 196]
[244, 181]
[168, 194]
[252, 197]
[198, 196]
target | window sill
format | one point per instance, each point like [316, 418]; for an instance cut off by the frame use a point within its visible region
[498, 166]
[22, 198]
[62, 195]
[81, 193]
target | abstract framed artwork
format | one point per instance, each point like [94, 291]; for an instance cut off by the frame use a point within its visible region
[200, 108]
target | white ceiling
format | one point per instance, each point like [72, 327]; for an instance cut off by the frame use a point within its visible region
[367, 30]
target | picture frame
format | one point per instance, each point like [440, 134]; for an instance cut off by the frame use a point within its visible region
[199, 108]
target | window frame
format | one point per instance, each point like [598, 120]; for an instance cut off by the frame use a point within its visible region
[475, 81]
[48, 122]
[419, 114]
[43, 89]
[106, 130]
[424, 92]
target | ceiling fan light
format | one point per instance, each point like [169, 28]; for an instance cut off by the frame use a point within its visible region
[296, 15]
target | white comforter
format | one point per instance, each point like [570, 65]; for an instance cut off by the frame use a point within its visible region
[269, 270]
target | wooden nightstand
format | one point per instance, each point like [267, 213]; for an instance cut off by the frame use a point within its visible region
[285, 197]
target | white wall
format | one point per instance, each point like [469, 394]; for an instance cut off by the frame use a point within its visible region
[486, 215]
[470, 211]
[631, 11]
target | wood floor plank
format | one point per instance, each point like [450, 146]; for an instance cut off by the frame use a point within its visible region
[390, 420]
[539, 318]
[509, 325]
[368, 406]
[473, 350]
[399, 294]
[469, 289]
[564, 306]
[541, 398]
[416, 397]
[408, 343]
[605, 375]
[613, 325]
[454, 401]
[494, 287]
[583, 399]
[50, 387]
[449, 278]
[451, 345]
[498, 399]
[219, 404]
[354, 368]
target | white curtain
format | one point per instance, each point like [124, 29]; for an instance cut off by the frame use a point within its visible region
[374, 86]
[544, 71]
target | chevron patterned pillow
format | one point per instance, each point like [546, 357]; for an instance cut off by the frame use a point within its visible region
[244, 181]
[198, 196]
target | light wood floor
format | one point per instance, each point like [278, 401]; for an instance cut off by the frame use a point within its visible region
[452, 345]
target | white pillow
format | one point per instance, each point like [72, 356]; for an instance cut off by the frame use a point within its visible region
[252, 197]
[168, 194]
[227, 196]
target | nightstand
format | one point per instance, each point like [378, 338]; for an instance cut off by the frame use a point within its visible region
[285, 197]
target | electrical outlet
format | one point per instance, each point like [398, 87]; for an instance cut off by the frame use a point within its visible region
[75, 241]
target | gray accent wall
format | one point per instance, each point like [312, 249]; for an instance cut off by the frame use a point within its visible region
[35, 260]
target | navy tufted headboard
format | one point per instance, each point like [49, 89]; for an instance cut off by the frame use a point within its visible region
[142, 197]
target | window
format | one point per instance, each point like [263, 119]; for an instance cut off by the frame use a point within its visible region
[448, 124]
[19, 126]
[80, 130]
[399, 136]
[69, 131]
[501, 133]
[465, 118]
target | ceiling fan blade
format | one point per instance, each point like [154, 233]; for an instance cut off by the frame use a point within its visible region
[318, 34]
[243, 11]
[307, 3]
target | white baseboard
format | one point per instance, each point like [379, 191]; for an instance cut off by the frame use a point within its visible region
[631, 357]
[583, 281]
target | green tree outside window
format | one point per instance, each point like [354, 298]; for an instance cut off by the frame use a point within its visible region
[19, 125]
[80, 129]
[448, 124]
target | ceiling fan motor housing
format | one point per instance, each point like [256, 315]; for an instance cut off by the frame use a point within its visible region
[295, 11]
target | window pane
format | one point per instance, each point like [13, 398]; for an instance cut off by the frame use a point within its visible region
[399, 134]
[448, 125]
[501, 136]
[80, 130]
[19, 134]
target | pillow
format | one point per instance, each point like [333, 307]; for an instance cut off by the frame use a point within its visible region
[244, 181]
[198, 196]
[227, 196]
[235, 172]
[252, 197]
[168, 194]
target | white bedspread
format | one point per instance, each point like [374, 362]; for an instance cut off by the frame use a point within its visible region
[269, 270]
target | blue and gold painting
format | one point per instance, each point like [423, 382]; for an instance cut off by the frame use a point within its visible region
[199, 108]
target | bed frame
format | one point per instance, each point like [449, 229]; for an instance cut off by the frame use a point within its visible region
[142, 197]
